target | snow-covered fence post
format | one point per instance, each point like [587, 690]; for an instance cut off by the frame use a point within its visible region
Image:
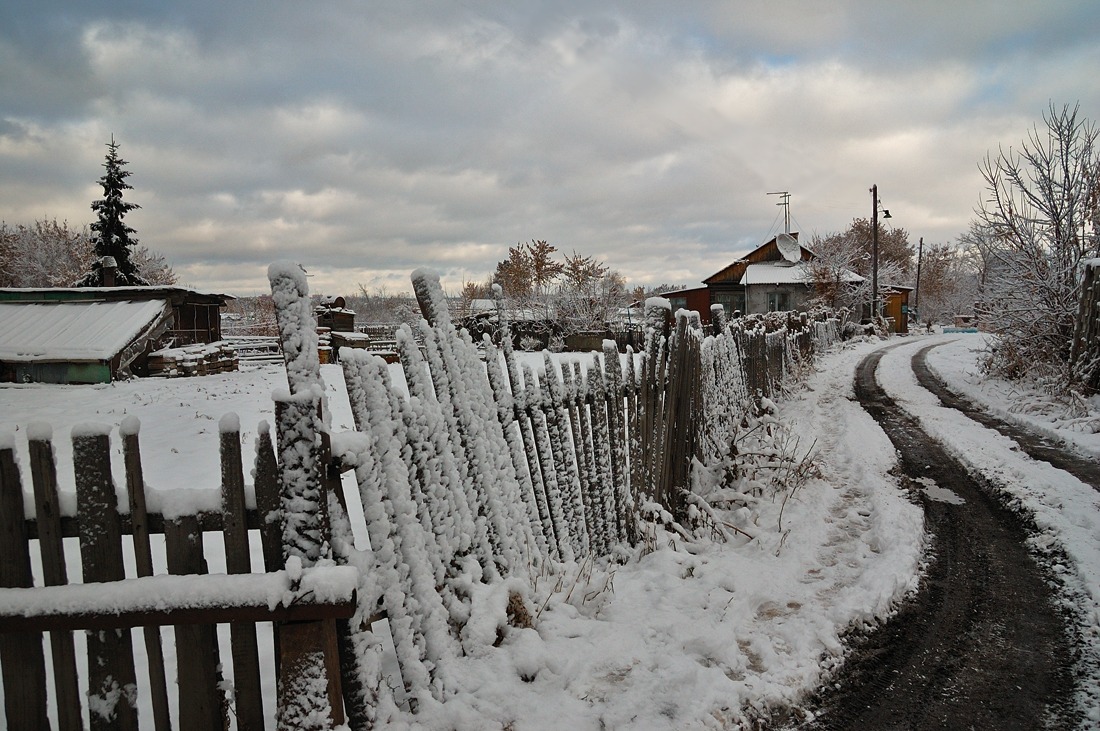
[575, 407]
[310, 693]
[718, 319]
[633, 424]
[530, 481]
[404, 583]
[657, 311]
[438, 455]
[604, 495]
[616, 431]
[111, 675]
[493, 474]
[521, 399]
[557, 423]
[598, 530]
[24, 665]
[540, 430]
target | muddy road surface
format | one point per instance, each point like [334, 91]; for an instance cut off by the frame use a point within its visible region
[980, 645]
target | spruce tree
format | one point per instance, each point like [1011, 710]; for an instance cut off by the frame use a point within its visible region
[112, 236]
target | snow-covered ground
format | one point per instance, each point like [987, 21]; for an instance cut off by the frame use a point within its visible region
[683, 635]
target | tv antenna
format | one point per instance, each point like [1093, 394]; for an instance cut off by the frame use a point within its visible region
[785, 201]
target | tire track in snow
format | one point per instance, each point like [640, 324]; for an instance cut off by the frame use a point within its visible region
[980, 645]
[1035, 445]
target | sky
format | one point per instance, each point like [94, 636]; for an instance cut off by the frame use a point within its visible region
[366, 140]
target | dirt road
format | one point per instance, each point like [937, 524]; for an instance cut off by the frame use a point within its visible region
[980, 646]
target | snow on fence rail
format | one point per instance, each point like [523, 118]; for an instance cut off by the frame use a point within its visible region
[304, 603]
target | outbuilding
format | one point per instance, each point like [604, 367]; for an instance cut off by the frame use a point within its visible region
[99, 334]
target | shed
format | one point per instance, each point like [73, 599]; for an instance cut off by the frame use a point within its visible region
[98, 334]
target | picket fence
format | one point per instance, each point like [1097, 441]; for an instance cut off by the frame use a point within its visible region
[484, 472]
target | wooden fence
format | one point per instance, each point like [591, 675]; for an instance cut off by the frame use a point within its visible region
[488, 470]
[304, 605]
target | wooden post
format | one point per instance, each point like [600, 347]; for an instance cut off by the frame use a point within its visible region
[201, 703]
[143, 557]
[110, 653]
[51, 544]
[21, 658]
[238, 560]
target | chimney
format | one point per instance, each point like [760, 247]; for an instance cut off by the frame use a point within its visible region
[108, 270]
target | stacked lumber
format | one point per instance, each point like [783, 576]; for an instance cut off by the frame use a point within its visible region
[193, 360]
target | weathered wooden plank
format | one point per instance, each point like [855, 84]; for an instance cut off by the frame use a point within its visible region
[201, 703]
[143, 557]
[21, 659]
[269, 508]
[110, 653]
[246, 659]
[51, 545]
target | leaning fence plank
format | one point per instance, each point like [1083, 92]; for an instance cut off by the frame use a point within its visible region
[143, 557]
[238, 560]
[51, 545]
[265, 478]
[111, 674]
[201, 703]
[21, 659]
[616, 430]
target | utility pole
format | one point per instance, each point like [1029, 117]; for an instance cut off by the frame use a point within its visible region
[785, 201]
[916, 292]
[874, 252]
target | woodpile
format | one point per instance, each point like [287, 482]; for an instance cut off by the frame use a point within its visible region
[193, 360]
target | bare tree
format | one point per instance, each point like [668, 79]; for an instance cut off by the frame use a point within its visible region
[51, 254]
[949, 283]
[1038, 223]
[45, 254]
[589, 294]
[836, 259]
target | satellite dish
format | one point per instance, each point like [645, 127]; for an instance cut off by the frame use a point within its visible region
[789, 248]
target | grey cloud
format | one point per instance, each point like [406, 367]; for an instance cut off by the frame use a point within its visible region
[366, 141]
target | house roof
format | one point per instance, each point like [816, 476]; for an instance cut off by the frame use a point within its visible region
[778, 273]
[108, 294]
[73, 331]
[734, 272]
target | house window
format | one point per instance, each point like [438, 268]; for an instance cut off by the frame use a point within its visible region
[678, 303]
[731, 302]
[779, 301]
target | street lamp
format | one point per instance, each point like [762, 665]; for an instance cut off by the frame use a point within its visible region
[874, 249]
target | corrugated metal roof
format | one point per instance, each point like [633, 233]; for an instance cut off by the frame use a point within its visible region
[73, 331]
[776, 273]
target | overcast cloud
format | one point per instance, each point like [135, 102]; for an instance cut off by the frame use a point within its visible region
[368, 139]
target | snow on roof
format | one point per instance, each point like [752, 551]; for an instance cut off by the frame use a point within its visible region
[778, 273]
[77, 331]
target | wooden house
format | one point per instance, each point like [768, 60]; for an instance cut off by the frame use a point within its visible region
[773, 277]
[99, 334]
